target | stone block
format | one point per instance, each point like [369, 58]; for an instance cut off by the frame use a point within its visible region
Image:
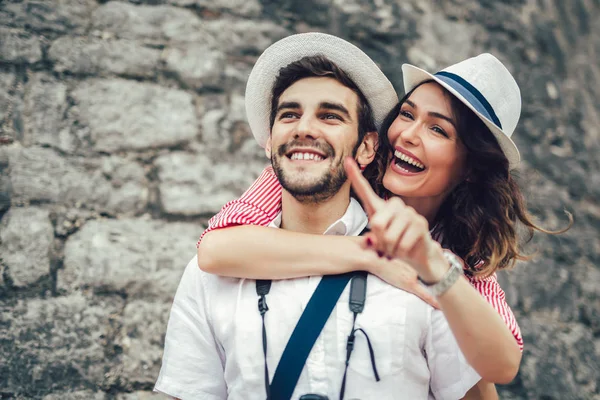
[18, 47]
[45, 103]
[87, 56]
[56, 344]
[194, 184]
[172, 25]
[26, 236]
[76, 395]
[58, 16]
[129, 194]
[143, 258]
[125, 115]
[41, 175]
[7, 83]
[196, 66]
[246, 8]
[244, 36]
[142, 395]
[148, 24]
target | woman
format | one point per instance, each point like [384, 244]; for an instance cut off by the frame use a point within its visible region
[444, 167]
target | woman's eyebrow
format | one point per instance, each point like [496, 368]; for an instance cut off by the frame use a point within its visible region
[433, 113]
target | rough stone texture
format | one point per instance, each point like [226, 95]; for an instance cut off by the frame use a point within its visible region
[120, 118]
[246, 8]
[195, 184]
[569, 343]
[141, 395]
[130, 188]
[54, 16]
[44, 106]
[143, 326]
[9, 105]
[196, 66]
[171, 25]
[125, 115]
[41, 175]
[103, 57]
[242, 35]
[142, 258]
[148, 24]
[78, 395]
[26, 235]
[19, 47]
[56, 344]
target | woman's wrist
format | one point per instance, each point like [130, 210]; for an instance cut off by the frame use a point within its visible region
[438, 267]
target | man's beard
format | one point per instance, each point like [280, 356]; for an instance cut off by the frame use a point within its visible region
[321, 188]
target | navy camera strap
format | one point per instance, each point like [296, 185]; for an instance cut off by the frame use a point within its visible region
[309, 327]
[304, 336]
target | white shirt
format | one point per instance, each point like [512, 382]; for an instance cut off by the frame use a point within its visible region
[213, 346]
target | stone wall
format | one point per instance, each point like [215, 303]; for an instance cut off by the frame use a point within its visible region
[122, 129]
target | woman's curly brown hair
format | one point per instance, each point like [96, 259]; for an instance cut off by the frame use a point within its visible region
[479, 219]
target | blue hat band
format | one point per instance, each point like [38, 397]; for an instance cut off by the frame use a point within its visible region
[471, 94]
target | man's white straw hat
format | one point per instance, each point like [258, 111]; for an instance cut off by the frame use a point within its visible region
[377, 89]
[484, 85]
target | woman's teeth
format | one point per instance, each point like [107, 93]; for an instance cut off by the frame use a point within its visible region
[306, 156]
[408, 159]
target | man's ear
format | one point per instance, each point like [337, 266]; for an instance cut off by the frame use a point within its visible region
[268, 148]
[367, 149]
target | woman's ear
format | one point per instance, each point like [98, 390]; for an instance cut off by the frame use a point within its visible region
[367, 150]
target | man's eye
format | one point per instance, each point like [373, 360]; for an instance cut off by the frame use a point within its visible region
[331, 116]
[287, 115]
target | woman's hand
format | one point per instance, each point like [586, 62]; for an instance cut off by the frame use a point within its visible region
[397, 230]
[401, 275]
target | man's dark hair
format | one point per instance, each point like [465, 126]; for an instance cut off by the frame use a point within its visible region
[320, 66]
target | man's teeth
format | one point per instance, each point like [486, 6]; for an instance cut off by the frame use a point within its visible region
[306, 156]
[408, 159]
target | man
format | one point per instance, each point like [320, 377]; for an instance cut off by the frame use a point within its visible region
[307, 111]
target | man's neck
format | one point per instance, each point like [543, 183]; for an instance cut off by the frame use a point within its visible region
[311, 217]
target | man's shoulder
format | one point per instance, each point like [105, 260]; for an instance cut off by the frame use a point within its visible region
[193, 271]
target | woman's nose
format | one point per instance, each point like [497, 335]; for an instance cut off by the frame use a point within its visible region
[411, 134]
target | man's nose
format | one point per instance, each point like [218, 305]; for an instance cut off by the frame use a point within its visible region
[306, 127]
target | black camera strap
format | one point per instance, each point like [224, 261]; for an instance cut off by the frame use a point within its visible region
[263, 287]
[356, 302]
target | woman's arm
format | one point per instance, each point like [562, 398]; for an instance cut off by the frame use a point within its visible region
[258, 252]
[398, 231]
[482, 391]
[482, 335]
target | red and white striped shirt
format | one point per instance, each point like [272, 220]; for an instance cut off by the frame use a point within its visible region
[261, 203]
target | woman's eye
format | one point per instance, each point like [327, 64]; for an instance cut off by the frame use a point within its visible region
[406, 114]
[439, 130]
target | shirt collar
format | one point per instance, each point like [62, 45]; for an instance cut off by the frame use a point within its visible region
[352, 222]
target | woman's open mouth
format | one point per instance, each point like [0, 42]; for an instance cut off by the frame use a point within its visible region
[406, 164]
